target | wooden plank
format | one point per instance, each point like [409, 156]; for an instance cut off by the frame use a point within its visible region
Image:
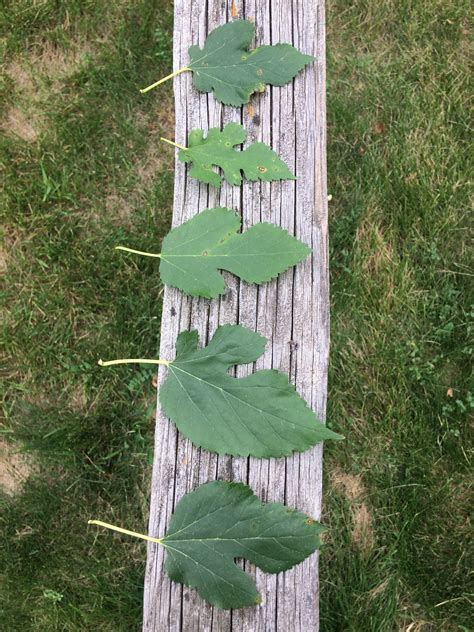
[292, 311]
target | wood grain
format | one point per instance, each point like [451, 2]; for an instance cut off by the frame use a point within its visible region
[292, 311]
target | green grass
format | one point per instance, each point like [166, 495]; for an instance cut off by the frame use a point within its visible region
[81, 173]
[401, 317]
[88, 180]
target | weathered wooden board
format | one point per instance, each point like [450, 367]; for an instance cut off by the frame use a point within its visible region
[292, 312]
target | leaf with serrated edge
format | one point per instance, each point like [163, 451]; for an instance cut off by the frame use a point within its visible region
[257, 162]
[227, 67]
[260, 415]
[218, 522]
[194, 252]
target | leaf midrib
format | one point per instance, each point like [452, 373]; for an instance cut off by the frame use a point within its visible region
[239, 65]
[223, 390]
[250, 254]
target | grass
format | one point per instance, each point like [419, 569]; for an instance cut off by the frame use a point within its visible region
[82, 173]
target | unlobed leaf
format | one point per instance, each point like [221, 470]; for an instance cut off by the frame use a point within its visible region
[218, 522]
[193, 253]
[257, 162]
[260, 415]
[227, 67]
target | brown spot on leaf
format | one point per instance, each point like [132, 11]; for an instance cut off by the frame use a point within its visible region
[205, 253]
[262, 169]
[309, 521]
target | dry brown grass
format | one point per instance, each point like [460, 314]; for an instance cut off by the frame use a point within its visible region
[35, 76]
[352, 488]
[15, 467]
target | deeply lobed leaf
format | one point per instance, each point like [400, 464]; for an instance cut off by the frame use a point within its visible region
[257, 162]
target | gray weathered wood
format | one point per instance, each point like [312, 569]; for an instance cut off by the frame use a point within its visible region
[292, 311]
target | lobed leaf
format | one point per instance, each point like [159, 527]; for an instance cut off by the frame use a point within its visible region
[226, 66]
[218, 522]
[194, 252]
[257, 162]
[260, 415]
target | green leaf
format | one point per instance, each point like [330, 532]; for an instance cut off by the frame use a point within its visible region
[194, 252]
[227, 67]
[258, 162]
[260, 415]
[218, 522]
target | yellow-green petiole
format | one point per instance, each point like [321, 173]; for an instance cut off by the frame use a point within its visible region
[125, 531]
[133, 361]
[171, 142]
[138, 252]
[157, 83]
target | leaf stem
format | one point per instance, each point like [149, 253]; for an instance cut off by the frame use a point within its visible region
[157, 83]
[126, 531]
[170, 142]
[133, 361]
[138, 252]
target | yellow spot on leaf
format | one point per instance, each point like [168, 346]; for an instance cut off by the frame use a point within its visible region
[262, 169]
[259, 72]
[309, 521]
